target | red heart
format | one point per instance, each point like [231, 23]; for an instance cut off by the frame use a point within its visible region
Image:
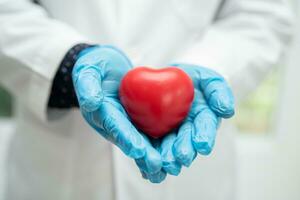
[157, 100]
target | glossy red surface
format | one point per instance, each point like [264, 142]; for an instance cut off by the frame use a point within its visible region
[157, 100]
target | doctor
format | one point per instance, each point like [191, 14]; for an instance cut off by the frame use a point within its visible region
[54, 58]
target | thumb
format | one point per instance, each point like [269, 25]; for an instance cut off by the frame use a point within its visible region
[87, 84]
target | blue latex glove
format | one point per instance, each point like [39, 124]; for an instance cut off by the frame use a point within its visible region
[213, 100]
[96, 77]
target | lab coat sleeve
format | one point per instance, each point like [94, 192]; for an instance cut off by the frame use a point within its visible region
[32, 46]
[244, 41]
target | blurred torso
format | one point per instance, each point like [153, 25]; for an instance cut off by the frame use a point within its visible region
[151, 32]
[66, 159]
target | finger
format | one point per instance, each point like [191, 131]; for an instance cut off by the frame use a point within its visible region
[215, 88]
[217, 93]
[183, 149]
[206, 124]
[87, 84]
[156, 177]
[151, 163]
[160, 175]
[119, 130]
[170, 164]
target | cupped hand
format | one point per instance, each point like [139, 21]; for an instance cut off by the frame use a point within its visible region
[213, 100]
[96, 77]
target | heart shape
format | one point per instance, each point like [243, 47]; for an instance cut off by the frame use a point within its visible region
[156, 100]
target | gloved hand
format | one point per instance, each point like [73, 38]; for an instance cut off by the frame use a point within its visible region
[96, 78]
[213, 100]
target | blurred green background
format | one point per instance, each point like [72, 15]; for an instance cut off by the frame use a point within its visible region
[5, 103]
[253, 115]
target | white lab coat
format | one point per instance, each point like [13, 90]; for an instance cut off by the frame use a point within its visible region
[55, 155]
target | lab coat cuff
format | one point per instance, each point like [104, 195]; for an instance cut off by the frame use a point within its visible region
[49, 59]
